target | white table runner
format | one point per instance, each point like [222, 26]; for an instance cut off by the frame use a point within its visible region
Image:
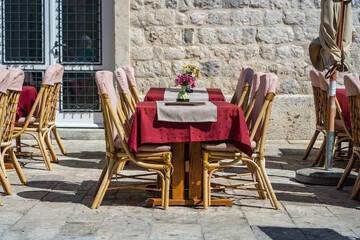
[186, 113]
[198, 94]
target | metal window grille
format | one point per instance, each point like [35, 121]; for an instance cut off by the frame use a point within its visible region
[22, 31]
[33, 78]
[79, 92]
[80, 31]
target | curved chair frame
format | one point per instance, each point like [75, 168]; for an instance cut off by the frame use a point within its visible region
[256, 164]
[158, 162]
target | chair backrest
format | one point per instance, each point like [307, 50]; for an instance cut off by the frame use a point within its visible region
[262, 108]
[315, 82]
[324, 103]
[242, 91]
[4, 81]
[113, 131]
[124, 92]
[352, 85]
[16, 80]
[56, 91]
[42, 104]
[130, 73]
[254, 89]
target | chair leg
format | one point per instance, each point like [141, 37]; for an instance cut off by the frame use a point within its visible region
[4, 180]
[162, 190]
[347, 171]
[320, 153]
[58, 140]
[42, 147]
[1, 202]
[104, 185]
[268, 184]
[167, 189]
[17, 166]
[256, 178]
[311, 145]
[101, 178]
[5, 183]
[18, 144]
[206, 179]
[53, 156]
[356, 189]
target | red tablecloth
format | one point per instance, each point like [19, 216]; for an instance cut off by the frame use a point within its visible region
[26, 101]
[230, 125]
[343, 102]
[157, 94]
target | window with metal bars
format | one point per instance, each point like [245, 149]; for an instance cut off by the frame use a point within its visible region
[79, 92]
[22, 31]
[33, 78]
[80, 23]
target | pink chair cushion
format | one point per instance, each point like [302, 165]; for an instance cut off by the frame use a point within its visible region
[130, 75]
[223, 146]
[314, 77]
[255, 85]
[268, 84]
[245, 79]
[4, 80]
[59, 73]
[50, 75]
[122, 82]
[324, 82]
[22, 121]
[105, 83]
[17, 77]
[149, 147]
[352, 84]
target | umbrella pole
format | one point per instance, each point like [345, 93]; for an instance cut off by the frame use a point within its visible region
[332, 92]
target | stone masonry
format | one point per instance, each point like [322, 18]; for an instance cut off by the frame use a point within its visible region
[221, 36]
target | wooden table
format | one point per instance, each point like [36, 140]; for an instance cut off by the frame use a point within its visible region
[186, 141]
[186, 180]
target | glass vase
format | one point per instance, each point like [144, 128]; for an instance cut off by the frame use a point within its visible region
[183, 96]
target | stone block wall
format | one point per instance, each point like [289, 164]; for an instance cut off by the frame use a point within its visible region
[221, 36]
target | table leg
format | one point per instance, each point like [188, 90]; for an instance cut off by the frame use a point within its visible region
[195, 171]
[179, 171]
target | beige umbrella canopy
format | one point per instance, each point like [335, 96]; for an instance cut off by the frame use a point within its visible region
[324, 50]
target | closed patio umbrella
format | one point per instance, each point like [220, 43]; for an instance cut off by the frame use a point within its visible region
[331, 51]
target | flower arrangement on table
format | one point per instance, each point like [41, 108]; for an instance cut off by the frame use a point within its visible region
[188, 76]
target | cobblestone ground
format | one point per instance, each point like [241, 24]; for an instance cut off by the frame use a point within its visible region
[56, 204]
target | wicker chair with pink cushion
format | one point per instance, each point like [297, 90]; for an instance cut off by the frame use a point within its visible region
[342, 134]
[54, 102]
[132, 84]
[319, 113]
[352, 85]
[8, 115]
[214, 152]
[242, 91]
[38, 119]
[153, 157]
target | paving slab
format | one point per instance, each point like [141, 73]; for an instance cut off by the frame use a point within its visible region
[56, 204]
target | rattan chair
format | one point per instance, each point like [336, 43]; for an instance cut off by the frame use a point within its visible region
[214, 152]
[8, 116]
[155, 158]
[242, 91]
[38, 119]
[341, 133]
[319, 113]
[54, 96]
[352, 84]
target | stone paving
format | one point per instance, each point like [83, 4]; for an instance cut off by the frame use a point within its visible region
[56, 204]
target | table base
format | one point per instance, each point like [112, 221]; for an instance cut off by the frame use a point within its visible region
[150, 202]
